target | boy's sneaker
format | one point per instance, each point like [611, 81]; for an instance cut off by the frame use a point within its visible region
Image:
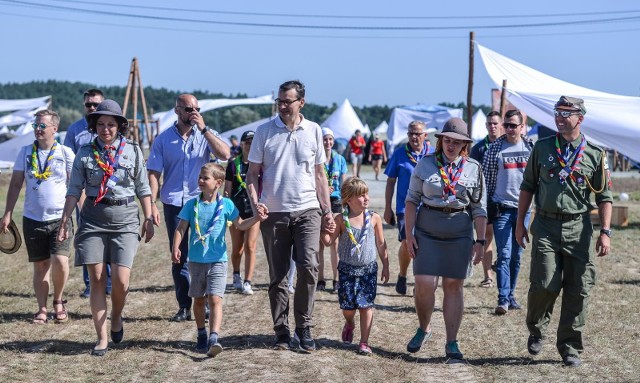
[305, 341]
[321, 286]
[502, 309]
[452, 351]
[415, 344]
[401, 285]
[347, 332]
[214, 349]
[283, 342]
[201, 345]
[246, 288]
[364, 349]
[237, 282]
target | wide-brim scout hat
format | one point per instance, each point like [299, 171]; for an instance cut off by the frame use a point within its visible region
[10, 241]
[571, 103]
[455, 128]
[109, 108]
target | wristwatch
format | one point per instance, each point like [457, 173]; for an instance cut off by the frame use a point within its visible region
[483, 242]
[606, 232]
[206, 128]
[325, 212]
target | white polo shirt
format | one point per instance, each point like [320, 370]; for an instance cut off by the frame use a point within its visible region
[288, 161]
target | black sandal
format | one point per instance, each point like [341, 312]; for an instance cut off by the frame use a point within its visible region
[63, 312]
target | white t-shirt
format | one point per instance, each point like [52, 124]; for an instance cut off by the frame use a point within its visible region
[288, 161]
[44, 202]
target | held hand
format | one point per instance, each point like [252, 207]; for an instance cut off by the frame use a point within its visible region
[175, 255]
[147, 230]
[385, 274]
[412, 246]
[155, 213]
[478, 252]
[603, 245]
[522, 236]
[262, 212]
[328, 223]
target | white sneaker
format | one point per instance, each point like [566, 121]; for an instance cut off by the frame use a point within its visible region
[246, 288]
[291, 289]
[237, 282]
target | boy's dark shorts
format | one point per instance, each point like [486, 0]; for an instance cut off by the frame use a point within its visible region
[41, 239]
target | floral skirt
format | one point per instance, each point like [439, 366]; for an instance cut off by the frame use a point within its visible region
[357, 287]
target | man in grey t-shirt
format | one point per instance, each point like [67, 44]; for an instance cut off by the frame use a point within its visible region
[503, 167]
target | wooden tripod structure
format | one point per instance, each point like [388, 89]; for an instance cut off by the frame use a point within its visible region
[133, 85]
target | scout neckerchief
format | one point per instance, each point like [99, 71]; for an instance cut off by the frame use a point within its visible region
[238, 164]
[109, 166]
[357, 248]
[486, 142]
[564, 160]
[449, 178]
[417, 157]
[203, 237]
[41, 171]
[328, 169]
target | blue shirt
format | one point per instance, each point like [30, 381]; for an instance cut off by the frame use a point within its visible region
[336, 168]
[400, 167]
[217, 251]
[180, 160]
[78, 135]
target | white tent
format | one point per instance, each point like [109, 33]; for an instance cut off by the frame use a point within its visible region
[9, 149]
[24, 104]
[611, 120]
[478, 126]
[434, 116]
[167, 118]
[344, 122]
[381, 130]
[238, 131]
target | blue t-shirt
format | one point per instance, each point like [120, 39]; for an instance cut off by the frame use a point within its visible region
[400, 167]
[217, 251]
[336, 168]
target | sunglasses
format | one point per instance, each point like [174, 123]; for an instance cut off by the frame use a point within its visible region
[91, 104]
[508, 125]
[40, 126]
[286, 102]
[564, 113]
[189, 109]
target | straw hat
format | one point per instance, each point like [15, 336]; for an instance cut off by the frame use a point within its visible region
[10, 241]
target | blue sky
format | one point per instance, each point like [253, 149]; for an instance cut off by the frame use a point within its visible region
[369, 59]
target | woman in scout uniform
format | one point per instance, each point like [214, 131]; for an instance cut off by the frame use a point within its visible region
[448, 188]
[111, 172]
[562, 173]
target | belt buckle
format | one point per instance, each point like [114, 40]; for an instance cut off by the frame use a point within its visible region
[446, 209]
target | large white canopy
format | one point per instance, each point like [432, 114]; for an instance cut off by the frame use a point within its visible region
[167, 118]
[478, 125]
[344, 122]
[434, 116]
[611, 120]
[9, 149]
[30, 103]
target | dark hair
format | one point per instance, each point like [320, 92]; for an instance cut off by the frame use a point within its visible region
[494, 113]
[293, 84]
[463, 152]
[92, 121]
[93, 92]
[514, 112]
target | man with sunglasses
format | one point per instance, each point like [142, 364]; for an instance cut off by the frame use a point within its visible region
[399, 169]
[78, 135]
[563, 173]
[179, 152]
[503, 166]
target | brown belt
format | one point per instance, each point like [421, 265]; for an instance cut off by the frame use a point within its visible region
[446, 209]
[114, 202]
[559, 216]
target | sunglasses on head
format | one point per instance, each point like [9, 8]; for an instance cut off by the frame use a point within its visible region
[189, 109]
[564, 113]
[91, 104]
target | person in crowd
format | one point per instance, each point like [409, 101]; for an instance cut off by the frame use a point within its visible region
[356, 146]
[235, 187]
[295, 191]
[503, 167]
[377, 154]
[44, 167]
[494, 130]
[361, 237]
[335, 168]
[78, 135]
[448, 188]
[398, 171]
[236, 148]
[207, 215]
[111, 171]
[177, 154]
[562, 174]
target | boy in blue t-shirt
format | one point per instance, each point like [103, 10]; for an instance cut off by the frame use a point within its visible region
[207, 217]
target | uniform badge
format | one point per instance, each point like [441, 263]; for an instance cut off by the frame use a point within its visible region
[550, 158]
[606, 162]
[580, 180]
[551, 173]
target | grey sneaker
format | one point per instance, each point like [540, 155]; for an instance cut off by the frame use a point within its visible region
[237, 282]
[214, 349]
[415, 344]
[452, 351]
[534, 345]
[571, 361]
[304, 338]
[502, 309]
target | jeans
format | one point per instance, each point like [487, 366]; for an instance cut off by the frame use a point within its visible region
[508, 255]
[179, 271]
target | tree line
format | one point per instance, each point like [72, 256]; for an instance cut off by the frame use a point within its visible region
[67, 101]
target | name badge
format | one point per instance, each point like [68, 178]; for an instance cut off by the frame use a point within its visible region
[113, 180]
[451, 198]
[563, 173]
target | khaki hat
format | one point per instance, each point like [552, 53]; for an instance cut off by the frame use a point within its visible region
[455, 128]
[109, 108]
[571, 103]
[10, 241]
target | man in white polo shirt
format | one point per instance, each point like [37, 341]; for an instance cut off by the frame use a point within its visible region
[295, 191]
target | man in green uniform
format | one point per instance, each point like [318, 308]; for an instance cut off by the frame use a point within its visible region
[562, 173]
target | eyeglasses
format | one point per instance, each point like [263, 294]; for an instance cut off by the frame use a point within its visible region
[564, 113]
[286, 102]
[40, 126]
[91, 104]
[416, 134]
[508, 125]
[188, 109]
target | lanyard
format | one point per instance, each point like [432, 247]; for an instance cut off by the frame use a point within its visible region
[357, 248]
[418, 156]
[203, 237]
[41, 171]
[486, 142]
[328, 169]
[109, 166]
[564, 160]
[241, 183]
[449, 177]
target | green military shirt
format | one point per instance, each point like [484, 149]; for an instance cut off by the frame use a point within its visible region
[574, 196]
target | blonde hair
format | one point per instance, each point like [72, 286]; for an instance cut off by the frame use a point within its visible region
[216, 170]
[55, 118]
[352, 187]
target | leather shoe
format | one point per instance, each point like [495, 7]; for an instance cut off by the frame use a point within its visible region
[99, 351]
[116, 336]
[571, 361]
[182, 315]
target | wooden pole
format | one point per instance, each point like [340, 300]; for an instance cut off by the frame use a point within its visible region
[503, 99]
[128, 91]
[145, 115]
[470, 85]
[136, 135]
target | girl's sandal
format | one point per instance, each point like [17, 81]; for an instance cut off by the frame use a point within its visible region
[37, 318]
[61, 316]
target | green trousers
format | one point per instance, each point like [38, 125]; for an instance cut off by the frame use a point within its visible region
[561, 259]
